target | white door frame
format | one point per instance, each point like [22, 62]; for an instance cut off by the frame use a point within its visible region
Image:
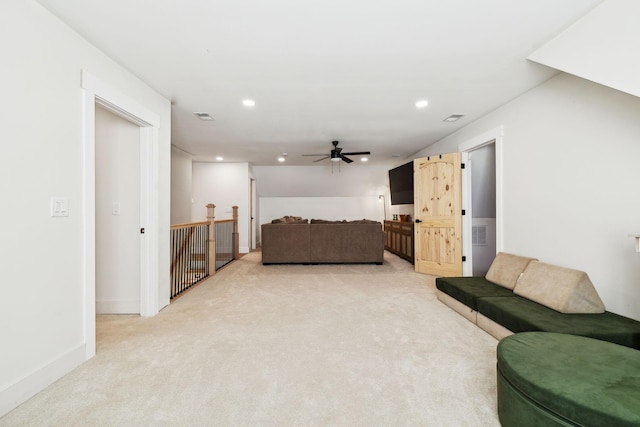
[97, 91]
[494, 136]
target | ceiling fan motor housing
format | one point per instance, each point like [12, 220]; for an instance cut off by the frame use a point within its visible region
[336, 154]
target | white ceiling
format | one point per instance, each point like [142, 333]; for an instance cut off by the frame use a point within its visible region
[347, 70]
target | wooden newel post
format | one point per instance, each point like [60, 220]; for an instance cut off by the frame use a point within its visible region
[236, 241]
[212, 238]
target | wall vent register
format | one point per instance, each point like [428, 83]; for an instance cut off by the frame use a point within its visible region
[479, 235]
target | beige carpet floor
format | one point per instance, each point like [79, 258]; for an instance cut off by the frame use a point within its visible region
[284, 345]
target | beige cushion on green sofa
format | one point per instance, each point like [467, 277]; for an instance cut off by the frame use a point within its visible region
[506, 268]
[561, 289]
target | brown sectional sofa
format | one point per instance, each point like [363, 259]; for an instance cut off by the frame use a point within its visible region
[322, 242]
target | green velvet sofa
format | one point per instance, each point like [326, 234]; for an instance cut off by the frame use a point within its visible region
[521, 294]
[562, 359]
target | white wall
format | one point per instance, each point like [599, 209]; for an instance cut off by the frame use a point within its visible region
[484, 254]
[117, 232]
[570, 177]
[329, 208]
[602, 47]
[181, 186]
[320, 181]
[42, 257]
[483, 181]
[225, 185]
[350, 192]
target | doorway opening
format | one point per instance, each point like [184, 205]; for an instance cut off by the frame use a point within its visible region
[117, 214]
[96, 92]
[482, 201]
[252, 214]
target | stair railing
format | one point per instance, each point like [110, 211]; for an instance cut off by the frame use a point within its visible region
[189, 255]
[199, 249]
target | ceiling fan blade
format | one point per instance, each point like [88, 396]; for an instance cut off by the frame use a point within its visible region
[324, 158]
[313, 155]
[359, 153]
[346, 159]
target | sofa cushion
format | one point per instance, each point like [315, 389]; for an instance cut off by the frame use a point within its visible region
[467, 290]
[521, 315]
[562, 289]
[507, 268]
[325, 221]
[289, 220]
[363, 221]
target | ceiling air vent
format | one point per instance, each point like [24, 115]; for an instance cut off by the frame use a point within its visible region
[453, 118]
[203, 116]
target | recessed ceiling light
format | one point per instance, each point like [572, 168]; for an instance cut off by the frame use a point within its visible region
[422, 103]
[281, 159]
[203, 116]
[248, 102]
[219, 158]
[453, 118]
[364, 159]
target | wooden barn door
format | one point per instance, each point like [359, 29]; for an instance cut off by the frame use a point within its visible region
[438, 215]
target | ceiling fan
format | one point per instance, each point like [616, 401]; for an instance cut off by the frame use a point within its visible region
[336, 154]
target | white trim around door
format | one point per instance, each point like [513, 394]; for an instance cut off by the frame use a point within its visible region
[97, 91]
[494, 136]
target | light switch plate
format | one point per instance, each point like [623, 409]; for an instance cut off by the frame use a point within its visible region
[115, 210]
[59, 206]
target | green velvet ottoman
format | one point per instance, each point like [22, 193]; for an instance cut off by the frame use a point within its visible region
[550, 379]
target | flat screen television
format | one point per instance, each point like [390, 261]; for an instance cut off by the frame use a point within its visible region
[401, 184]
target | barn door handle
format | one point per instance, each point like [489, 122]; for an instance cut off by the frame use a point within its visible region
[418, 221]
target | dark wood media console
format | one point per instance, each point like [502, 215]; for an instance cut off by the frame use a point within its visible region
[399, 238]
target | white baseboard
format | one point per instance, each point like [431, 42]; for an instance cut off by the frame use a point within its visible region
[18, 393]
[117, 306]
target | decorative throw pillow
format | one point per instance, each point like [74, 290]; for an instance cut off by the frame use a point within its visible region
[562, 289]
[299, 221]
[506, 268]
[286, 219]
